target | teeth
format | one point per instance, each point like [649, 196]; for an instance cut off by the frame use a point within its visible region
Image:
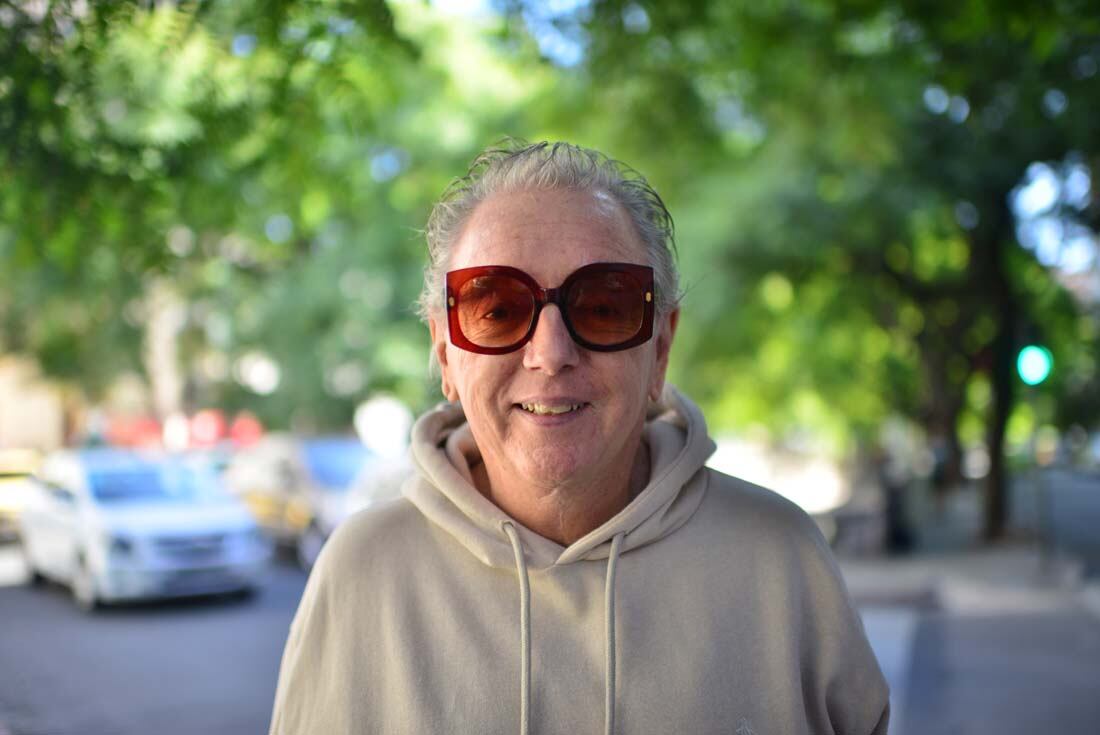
[543, 410]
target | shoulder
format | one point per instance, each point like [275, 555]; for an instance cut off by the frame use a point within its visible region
[750, 522]
[799, 586]
[371, 539]
[741, 504]
[342, 618]
[381, 523]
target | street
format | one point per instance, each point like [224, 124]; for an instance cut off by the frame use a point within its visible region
[210, 665]
[197, 666]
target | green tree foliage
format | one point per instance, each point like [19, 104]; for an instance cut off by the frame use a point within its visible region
[273, 160]
[843, 175]
[869, 250]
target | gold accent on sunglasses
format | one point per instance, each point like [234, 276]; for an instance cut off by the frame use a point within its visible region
[648, 296]
[451, 301]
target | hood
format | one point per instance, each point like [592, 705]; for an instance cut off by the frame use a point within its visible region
[153, 519]
[442, 445]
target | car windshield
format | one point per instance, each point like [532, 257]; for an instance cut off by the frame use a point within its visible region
[154, 483]
[334, 463]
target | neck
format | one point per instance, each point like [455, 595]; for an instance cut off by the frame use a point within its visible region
[564, 513]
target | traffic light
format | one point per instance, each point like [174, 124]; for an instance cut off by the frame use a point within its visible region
[1034, 364]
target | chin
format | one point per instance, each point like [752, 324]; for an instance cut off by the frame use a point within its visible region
[555, 464]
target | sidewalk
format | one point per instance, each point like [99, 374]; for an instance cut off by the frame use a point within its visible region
[981, 639]
[950, 569]
[1003, 578]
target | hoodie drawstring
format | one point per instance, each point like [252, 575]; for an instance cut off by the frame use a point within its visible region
[609, 597]
[525, 632]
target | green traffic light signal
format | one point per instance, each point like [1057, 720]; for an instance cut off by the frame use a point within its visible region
[1034, 364]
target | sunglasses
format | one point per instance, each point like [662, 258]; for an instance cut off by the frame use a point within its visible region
[494, 309]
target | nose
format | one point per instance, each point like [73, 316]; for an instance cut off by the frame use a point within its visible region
[551, 349]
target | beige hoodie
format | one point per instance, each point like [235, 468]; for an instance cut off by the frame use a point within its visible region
[707, 606]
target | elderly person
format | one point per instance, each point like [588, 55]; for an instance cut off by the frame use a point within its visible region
[562, 561]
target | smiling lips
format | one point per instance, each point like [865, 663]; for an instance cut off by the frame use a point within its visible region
[551, 409]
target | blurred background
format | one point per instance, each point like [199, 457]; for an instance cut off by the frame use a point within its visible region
[210, 244]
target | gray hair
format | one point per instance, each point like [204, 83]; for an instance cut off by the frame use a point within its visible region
[517, 166]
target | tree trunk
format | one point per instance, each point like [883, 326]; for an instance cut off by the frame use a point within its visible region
[166, 314]
[1003, 389]
[1002, 380]
[943, 402]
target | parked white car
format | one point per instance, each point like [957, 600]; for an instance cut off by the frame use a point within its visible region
[117, 525]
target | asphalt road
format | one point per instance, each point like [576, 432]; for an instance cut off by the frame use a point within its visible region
[207, 665]
[199, 666]
[210, 665]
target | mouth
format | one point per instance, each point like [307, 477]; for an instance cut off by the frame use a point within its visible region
[551, 409]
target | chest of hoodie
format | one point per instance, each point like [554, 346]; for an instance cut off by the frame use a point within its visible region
[692, 644]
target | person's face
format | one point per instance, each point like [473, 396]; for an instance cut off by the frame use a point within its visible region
[549, 234]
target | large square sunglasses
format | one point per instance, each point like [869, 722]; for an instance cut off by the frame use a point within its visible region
[494, 309]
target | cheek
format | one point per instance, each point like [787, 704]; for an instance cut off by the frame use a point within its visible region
[630, 378]
[645, 366]
[654, 376]
[654, 385]
[478, 380]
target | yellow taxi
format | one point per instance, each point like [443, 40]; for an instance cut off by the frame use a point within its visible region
[17, 466]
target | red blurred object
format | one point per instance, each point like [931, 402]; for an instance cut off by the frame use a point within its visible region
[208, 427]
[246, 429]
[133, 431]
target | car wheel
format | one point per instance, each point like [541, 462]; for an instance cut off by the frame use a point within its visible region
[83, 587]
[309, 546]
[34, 577]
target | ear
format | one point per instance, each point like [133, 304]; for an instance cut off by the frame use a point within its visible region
[666, 330]
[439, 350]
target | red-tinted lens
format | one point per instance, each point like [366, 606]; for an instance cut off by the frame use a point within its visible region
[494, 311]
[606, 308]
